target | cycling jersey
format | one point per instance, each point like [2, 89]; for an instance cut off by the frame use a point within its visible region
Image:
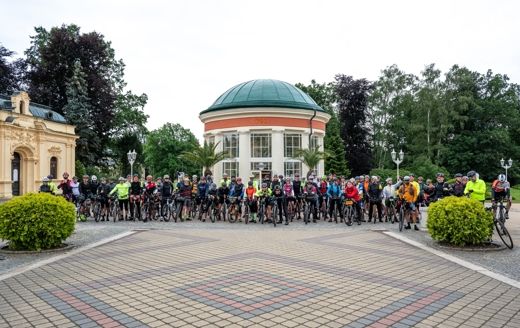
[264, 192]
[352, 193]
[499, 186]
[135, 188]
[334, 190]
[250, 192]
[122, 191]
[288, 190]
[408, 193]
[479, 189]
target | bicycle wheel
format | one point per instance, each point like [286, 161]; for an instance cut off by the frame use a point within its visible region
[348, 215]
[232, 213]
[401, 218]
[274, 215]
[97, 211]
[166, 212]
[261, 213]
[212, 213]
[503, 233]
[306, 214]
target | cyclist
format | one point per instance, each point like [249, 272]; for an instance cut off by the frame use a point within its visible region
[290, 200]
[65, 186]
[185, 192]
[500, 190]
[122, 194]
[278, 197]
[264, 195]
[408, 195]
[94, 184]
[252, 179]
[418, 188]
[429, 190]
[75, 188]
[334, 193]
[322, 193]
[298, 190]
[311, 197]
[441, 189]
[457, 188]
[476, 188]
[225, 179]
[237, 191]
[352, 192]
[85, 189]
[389, 195]
[45, 188]
[54, 188]
[212, 196]
[166, 190]
[223, 193]
[275, 182]
[136, 198]
[102, 192]
[374, 195]
[250, 195]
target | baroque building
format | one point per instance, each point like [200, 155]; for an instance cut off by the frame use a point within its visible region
[35, 142]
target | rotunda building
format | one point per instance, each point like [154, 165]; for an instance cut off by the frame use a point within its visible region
[261, 124]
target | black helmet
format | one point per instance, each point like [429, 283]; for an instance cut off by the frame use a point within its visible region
[458, 175]
[471, 174]
[250, 183]
[440, 174]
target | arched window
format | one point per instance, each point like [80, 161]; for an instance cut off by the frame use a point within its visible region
[54, 167]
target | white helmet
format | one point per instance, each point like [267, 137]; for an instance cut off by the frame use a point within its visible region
[94, 178]
[501, 177]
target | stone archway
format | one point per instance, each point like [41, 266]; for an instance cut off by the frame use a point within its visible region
[22, 171]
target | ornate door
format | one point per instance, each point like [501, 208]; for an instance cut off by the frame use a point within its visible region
[15, 174]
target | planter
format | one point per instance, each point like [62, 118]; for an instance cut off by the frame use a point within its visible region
[63, 247]
[486, 247]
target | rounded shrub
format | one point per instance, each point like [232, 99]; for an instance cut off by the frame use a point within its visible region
[36, 221]
[459, 221]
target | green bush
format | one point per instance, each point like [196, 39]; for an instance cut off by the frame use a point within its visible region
[459, 221]
[36, 221]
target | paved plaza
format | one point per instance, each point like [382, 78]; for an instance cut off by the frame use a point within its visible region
[250, 277]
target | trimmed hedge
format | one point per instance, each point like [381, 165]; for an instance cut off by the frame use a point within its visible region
[36, 221]
[459, 221]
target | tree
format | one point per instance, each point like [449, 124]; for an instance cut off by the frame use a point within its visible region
[352, 98]
[323, 94]
[10, 72]
[205, 157]
[163, 147]
[50, 64]
[78, 112]
[311, 157]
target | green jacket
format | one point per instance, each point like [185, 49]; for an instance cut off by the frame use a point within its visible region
[122, 190]
[479, 189]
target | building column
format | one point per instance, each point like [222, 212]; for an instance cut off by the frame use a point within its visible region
[217, 168]
[5, 170]
[305, 145]
[277, 151]
[244, 154]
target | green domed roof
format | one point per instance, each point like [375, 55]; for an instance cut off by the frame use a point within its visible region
[264, 93]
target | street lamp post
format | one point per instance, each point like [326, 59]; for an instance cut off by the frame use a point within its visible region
[132, 155]
[398, 159]
[506, 166]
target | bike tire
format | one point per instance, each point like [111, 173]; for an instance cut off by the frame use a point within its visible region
[231, 214]
[166, 212]
[97, 211]
[306, 214]
[503, 233]
[212, 213]
[261, 214]
[274, 215]
[348, 215]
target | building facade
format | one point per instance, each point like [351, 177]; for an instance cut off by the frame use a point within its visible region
[35, 142]
[261, 124]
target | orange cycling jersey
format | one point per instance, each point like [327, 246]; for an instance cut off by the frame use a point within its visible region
[408, 193]
[250, 192]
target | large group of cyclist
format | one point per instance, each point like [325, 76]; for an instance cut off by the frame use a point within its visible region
[274, 200]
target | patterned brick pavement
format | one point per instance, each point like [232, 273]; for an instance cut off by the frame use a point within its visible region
[256, 278]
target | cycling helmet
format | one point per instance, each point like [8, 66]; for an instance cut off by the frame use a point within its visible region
[121, 179]
[388, 180]
[65, 173]
[85, 176]
[74, 178]
[501, 177]
[458, 175]
[440, 174]
[194, 176]
[103, 179]
[406, 178]
[277, 187]
[250, 183]
[166, 176]
[94, 178]
[213, 186]
[471, 174]
[411, 175]
[223, 183]
[50, 177]
[324, 177]
[264, 185]
[280, 176]
[45, 179]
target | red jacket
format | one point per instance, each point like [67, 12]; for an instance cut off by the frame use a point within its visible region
[352, 193]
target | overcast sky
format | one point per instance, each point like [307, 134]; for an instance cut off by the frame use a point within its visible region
[185, 54]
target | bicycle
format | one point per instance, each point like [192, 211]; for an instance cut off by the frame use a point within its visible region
[261, 209]
[404, 212]
[291, 206]
[233, 212]
[149, 208]
[390, 210]
[499, 221]
[114, 208]
[167, 209]
[349, 212]
[96, 208]
[308, 210]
